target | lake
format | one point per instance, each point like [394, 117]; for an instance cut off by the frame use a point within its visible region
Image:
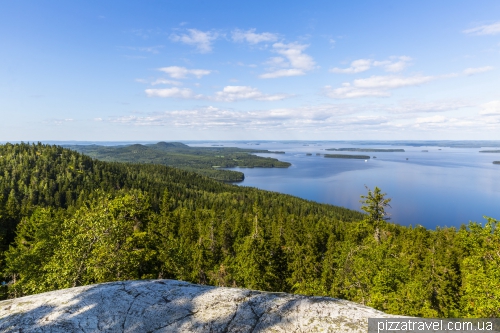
[440, 187]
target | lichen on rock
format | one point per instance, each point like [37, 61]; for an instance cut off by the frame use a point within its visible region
[176, 306]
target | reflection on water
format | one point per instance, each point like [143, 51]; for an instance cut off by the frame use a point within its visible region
[444, 187]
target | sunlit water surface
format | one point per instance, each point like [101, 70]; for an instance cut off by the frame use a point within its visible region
[441, 187]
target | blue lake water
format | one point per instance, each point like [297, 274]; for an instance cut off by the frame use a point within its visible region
[441, 187]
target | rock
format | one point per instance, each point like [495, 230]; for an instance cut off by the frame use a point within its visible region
[176, 306]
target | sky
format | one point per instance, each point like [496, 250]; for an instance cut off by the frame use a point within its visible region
[249, 70]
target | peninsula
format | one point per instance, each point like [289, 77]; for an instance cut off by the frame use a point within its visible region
[206, 161]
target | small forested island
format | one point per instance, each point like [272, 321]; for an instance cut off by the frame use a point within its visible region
[69, 220]
[368, 150]
[490, 151]
[361, 157]
[496, 162]
[203, 160]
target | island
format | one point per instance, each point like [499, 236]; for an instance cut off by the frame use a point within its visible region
[489, 151]
[368, 150]
[496, 162]
[207, 161]
[359, 157]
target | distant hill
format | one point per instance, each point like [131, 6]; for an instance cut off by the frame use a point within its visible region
[206, 161]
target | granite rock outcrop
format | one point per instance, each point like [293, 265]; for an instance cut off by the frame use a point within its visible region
[176, 306]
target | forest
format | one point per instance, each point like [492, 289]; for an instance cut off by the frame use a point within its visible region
[68, 220]
[205, 161]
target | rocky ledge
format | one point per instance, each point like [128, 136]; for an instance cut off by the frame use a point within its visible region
[175, 306]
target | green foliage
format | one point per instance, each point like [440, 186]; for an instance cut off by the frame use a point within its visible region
[374, 204]
[68, 220]
[205, 161]
[481, 270]
[102, 242]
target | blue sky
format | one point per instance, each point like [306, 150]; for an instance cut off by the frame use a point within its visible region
[227, 70]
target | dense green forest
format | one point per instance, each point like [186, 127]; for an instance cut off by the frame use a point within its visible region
[68, 220]
[202, 160]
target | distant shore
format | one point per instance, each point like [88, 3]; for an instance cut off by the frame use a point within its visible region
[360, 157]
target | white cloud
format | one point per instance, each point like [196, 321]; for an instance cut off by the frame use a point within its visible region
[202, 40]
[293, 52]
[394, 64]
[177, 72]
[322, 117]
[282, 73]
[391, 82]
[235, 93]
[150, 49]
[174, 92]
[489, 29]
[296, 62]
[164, 81]
[375, 86]
[415, 106]
[477, 70]
[327, 119]
[349, 91]
[227, 94]
[432, 119]
[490, 109]
[357, 66]
[251, 37]
[277, 62]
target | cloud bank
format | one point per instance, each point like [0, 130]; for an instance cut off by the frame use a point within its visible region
[375, 86]
[227, 94]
